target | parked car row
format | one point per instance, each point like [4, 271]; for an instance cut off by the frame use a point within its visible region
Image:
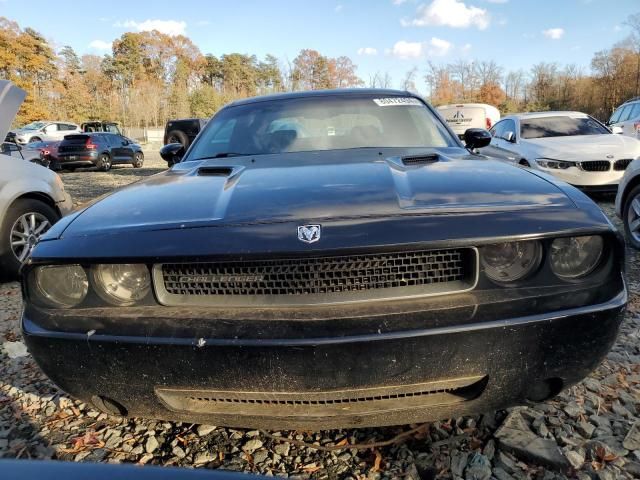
[402, 245]
[101, 150]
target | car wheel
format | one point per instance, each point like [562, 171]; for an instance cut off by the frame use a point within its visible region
[631, 217]
[26, 220]
[104, 162]
[35, 139]
[138, 160]
[176, 136]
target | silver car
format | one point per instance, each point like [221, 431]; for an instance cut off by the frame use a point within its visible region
[47, 131]
[626, 118]
[32, 198]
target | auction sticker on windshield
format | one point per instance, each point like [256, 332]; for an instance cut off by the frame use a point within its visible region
[396, 101]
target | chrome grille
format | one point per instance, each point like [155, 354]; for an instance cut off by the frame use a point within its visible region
[317, 279]
[622, 164]
[596, 166]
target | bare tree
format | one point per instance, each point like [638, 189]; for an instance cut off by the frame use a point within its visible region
[409, 82]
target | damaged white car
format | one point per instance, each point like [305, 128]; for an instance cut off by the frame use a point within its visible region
[32, 198]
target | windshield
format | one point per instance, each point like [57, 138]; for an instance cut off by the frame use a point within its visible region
[560, 127]
[34, 126]
[320, 123]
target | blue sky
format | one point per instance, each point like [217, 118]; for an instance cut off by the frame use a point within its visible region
[379, 35]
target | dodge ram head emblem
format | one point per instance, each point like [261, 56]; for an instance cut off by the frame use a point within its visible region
[309, 233]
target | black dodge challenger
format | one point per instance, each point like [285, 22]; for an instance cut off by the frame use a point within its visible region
[326, 259]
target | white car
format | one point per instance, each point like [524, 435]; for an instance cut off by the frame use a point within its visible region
[42, 131]
[461, 117]
[571, 146]
[32, 198]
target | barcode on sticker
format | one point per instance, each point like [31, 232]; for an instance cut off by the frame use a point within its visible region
[394, 101]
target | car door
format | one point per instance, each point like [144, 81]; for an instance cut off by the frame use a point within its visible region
[50, 132]
[629, 126]
[509, 141]
[126, 148]
[619, 120]
[493, 149]
[501, 147]
[115, 147]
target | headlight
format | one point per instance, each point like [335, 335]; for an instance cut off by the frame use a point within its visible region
[509, 262]
[575, 257]
[60, 286]
[121, 284]
[554, 164]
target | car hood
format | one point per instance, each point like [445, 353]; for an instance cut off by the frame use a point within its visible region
[316, 187]
[11, 97]
[585, 147]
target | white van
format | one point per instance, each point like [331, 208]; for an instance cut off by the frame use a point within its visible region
[469, 115]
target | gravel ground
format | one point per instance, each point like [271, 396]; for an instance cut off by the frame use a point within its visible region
[591, 431]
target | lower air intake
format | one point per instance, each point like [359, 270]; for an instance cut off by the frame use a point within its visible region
[320, 404]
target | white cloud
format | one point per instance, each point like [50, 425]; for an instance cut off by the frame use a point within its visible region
[100, 45]
[554, 33]
[338, 8]
[497, 1]
[465, 48]
[168, 27]
[367, 51]
[405, 50]
[399, 2]
[449, 13]
[438, 47]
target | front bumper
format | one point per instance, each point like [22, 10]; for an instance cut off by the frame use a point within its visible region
[605, 181]
[334, 367]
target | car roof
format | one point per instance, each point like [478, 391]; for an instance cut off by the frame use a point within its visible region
[527, 115]
[346, 92]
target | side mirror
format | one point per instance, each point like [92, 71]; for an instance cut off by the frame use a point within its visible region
[172, 153]
[617, 130]
[476, 138]
[510, 137]
[8, 147]
[125, 142]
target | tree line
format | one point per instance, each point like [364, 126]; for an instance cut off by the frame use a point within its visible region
[150, 77]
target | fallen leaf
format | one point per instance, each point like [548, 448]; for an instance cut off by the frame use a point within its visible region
[377, 461]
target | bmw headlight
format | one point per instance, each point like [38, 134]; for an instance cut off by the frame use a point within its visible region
[121, 284]
[59, 286]
[575, 257]
[554, 164]
[512, 261]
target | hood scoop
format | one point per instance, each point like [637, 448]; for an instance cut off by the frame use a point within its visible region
[417, 160]
[215, 171]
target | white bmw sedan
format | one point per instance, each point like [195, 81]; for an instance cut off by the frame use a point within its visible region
[572, 146]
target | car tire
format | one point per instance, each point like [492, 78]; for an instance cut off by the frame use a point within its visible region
[176, 136]
[13, 229]
[34, 139]
[138, 160]
[104, 163]
[630, 215]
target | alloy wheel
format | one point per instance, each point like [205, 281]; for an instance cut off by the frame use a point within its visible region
[25, 233]
[633, 218]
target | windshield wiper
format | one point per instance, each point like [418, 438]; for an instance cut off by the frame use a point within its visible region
[226, 155]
